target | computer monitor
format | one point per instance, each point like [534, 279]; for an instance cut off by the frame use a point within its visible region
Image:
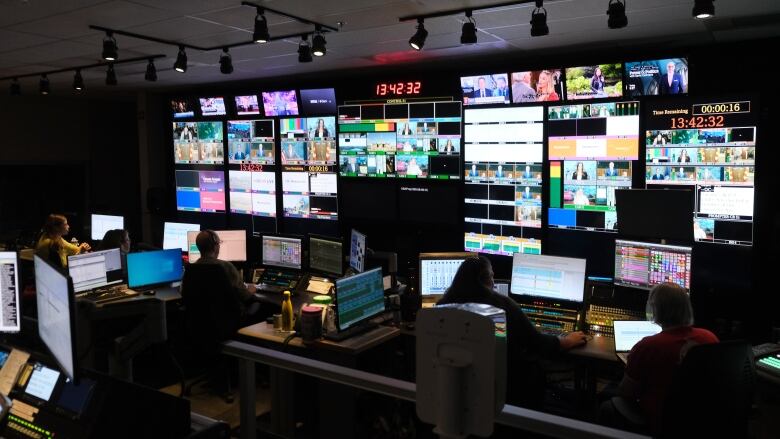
[357, 251]
[437, 271]
[175, 235]
[96, 269]
[282, 251]
[359, 298]
[56, 322]
[655, 214]
[645, 264]
[630, 332]
[548, 277]
[103, 223]
[9, 292]
[326, 254]
[154, 268]
[232, 245]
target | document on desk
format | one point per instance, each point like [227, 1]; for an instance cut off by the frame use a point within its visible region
[11, 369]
[318, 286]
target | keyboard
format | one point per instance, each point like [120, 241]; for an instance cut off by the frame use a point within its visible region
[280, 279]
[103, 295]
[766, 348]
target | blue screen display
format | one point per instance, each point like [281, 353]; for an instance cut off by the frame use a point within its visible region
[157, 267]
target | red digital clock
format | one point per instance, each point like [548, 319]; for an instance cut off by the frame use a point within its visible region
[398, 88]
[697, 122]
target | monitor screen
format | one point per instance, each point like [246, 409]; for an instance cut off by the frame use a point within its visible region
[357, 251]
[182, 108]
[548, 277]
[630, 332]
[594, 82]
[251, 141]
[657, 77]
[280, 103]
[437, 271]
[318, 101]
[175, 235]
[95, 269]
[279, 251]
[200, 191]
[247, 105]
[359, 297]
[537, 86]
[326, 255]
[42, 382]
[198, 143]
[232, 245]
[154, 268]
[53, 292]
[9, 293]
[485, 89]
[103, 223]
[644, 265]
[212, 106]
[655, 214]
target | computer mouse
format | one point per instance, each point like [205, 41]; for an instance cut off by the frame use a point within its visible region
[150, 292]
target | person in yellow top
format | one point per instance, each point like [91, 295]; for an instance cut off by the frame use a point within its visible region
[52, 244]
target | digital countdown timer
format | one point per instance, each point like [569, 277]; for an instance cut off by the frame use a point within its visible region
[689, 114]
[409, 88]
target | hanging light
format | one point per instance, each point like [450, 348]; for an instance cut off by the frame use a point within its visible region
[261, 35]
[43, 85]
[225, 62]
[110, 49]
[111, 75]
[78, 81]
[318, 43]
[418, 39]
[304, 51]
[617, 14]
[181, 61]
[151, 71]
[539, 20]
[703, 9]
[468, 34]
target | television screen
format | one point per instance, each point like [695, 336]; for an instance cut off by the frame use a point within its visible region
[212, 106]
[657, 77]
[537, 86]
[318, 101]
[182, 108]
[200, 191]
[9, 285]
[247, 105]
[198, 143]
[251, 141]
[594, 82]
[280, 103]
[485, 89]
[175, 235]
[655, 214]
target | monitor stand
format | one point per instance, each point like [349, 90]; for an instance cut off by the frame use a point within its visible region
[355, 330]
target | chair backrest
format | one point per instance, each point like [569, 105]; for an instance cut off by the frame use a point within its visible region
[712, 392]
[212, 313]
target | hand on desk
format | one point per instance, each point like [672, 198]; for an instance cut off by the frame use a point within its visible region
[573, 339]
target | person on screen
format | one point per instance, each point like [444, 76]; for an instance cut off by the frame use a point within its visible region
[239, 154]
[473, 283]
[527, 173]
[501, 89]
[659, 139]
[671, 82]
[321, 131]
[698, 231]
[413, 168]
[521, 88]
[51, 245]
[659, 174]
[653, 361]
[684, 157]
[481, 91]
[681, 173]
[473, 172]
[499, 172]
[406, 130]
[579, 173]
[580, 199]
[186, 134]
[545, 87]
[280, 106]
[290, 153]
[527, 195]
[432, 145]
[611, 171]
[597, 82]
[449, 148]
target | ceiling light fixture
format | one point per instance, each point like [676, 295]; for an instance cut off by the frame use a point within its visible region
[261, 35]
[151, 71]
[16, 88]
[111, 75]
[418, 39]
[304, 51]
[110, 48]
[225, 62]
[318, 43]
[78, 81]
[43, 85]
[468, 34]
[181, 61]
[617, 14]
[539, 20]
[703, 9]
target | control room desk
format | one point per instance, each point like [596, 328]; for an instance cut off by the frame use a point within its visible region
[337, 412]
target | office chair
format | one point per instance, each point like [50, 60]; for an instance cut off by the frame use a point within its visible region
[211, 315]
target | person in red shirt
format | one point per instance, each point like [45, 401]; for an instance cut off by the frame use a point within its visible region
[653, 361]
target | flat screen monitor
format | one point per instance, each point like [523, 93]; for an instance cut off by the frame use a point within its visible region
[56, 323]
[630, 332]
[280, 103]
[326, 254]
[594, 81]
[10, 318]
[182, 108]
[154, 268]
[359, 298]
[668, 76]
[175, 235]
[247, 105]
[212, 106]
[655, 214]
[437, 271]
[645, 264]
[357, 251]
[537, 86]
[95, 269]
[282, 251]
[548, 277]
[318, 101]
[486, 89]
[232, 245]
[103, 223]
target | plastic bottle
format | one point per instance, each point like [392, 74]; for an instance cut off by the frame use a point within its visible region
[287, 313]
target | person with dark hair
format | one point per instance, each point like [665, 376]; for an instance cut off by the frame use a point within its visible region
[473, 283]
[51, 245]
[208, 243]
[117, 238]
[653, 361]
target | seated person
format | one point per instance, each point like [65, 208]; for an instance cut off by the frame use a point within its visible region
[653, 360]
[473, 283]
[117, 238]
[51, 245]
